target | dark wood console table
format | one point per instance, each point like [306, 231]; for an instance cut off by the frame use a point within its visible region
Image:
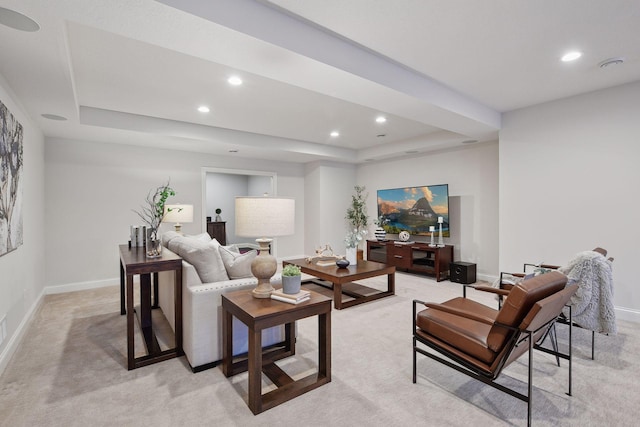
[415, 257]
[134, 261]
[218, 230]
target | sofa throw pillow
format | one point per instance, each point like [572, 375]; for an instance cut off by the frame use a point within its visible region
[168, 237]
[238, 265]
[204, 256]
[202, 236]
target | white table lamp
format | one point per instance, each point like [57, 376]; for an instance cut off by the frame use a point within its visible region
[178, 214]
[265, 218]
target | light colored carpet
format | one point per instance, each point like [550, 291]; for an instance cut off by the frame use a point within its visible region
[70, 370]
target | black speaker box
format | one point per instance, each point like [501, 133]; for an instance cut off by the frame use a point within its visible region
[462, 272]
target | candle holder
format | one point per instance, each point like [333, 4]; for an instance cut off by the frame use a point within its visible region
[431, 230]
[440, 242]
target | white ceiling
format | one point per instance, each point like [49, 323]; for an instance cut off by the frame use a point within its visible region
[442, 72]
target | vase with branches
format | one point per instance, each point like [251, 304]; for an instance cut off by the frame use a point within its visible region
[357, 219]
[357, 216]
[152, 213]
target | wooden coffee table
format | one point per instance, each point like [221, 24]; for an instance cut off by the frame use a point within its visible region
[342, 280]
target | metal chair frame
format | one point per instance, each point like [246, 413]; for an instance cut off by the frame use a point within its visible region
[552, 332]
[519, 338]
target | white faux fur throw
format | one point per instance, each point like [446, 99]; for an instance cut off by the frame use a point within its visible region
[592, 304]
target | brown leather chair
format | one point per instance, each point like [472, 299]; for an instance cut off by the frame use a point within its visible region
[480, 341]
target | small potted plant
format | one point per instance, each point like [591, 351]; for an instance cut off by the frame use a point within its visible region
[218, 217]
[291, 278]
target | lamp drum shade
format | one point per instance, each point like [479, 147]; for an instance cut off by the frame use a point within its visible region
[264, 216]
[178, 213]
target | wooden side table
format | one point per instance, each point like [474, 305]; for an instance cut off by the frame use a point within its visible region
[134, 261]
[259, 314]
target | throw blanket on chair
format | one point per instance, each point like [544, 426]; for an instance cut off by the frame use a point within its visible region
[593, 302]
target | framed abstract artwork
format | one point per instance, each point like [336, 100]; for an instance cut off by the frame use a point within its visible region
[11, 181]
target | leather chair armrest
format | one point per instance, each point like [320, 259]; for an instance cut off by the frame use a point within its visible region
[503, 292]
[462, 313]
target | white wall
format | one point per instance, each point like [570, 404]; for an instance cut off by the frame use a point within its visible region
[93, 187]
[222, 190]
[22, 270]
[472, 175]
[328, 189]
[569, 181]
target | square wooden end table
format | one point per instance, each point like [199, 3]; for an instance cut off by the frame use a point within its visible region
[134, 261]
[342, 280]
[259, 314]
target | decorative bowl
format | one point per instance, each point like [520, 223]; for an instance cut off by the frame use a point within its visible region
[342, 263]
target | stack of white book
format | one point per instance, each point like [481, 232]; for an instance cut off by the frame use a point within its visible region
[301, 296]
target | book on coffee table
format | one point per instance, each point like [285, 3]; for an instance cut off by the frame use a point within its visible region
[289, 300]
[326, 262]
[303, 295]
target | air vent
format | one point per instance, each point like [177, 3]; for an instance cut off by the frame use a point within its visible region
[611, 61]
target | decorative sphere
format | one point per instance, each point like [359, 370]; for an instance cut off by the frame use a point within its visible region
[404, 236]
[342, 263]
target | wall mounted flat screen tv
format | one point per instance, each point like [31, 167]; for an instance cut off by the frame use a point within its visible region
[415, 209]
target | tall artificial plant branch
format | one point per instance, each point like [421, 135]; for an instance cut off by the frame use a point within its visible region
[153, 212]
[357, 212]
[357, 217]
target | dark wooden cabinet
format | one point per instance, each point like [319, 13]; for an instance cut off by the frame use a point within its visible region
[217, 230]
[414, 257]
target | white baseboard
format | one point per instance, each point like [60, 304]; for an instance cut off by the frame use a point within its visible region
[80, 286]
[16, 338]
[629, 314]
[487, 278]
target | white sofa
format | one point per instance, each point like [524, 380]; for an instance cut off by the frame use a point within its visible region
[208, 271]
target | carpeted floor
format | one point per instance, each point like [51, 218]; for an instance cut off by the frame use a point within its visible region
[70, 370]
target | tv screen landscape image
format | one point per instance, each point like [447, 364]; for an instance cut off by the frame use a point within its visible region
[414, 209]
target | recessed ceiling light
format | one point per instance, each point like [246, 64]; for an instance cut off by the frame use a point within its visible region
[469, 141]
[233, 151]
[17, 21]
[411, 152]
[381, 119]
[335, 134]
[571, 56]
[203, 109]
[382, 135]
[54, 117]
[611, 61]
[235, 81]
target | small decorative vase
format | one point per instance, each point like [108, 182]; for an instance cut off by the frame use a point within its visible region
[291, 284]
[218, 218]
[153, 245]
[381, 234]
[352, 256]
[342, 263]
